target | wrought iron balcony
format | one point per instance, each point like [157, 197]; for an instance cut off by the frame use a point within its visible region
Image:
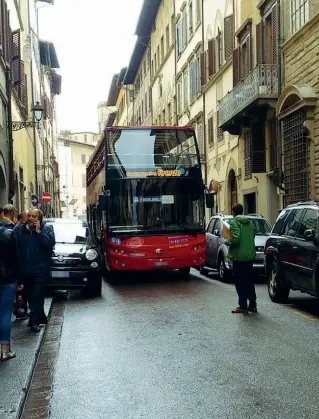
[260, 83]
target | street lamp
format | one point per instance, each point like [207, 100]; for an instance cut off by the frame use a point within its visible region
[38, 114]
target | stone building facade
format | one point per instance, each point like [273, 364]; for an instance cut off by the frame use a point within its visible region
[298, 106]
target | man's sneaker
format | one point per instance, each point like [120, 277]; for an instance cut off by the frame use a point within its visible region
[240, 310]
[253, 309]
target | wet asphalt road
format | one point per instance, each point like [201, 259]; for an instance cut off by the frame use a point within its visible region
[169, 349]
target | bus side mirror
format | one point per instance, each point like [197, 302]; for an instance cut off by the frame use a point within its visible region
[103, 202]
[210, 200]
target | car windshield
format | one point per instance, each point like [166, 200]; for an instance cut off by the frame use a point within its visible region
[262, 227]
[72, 233]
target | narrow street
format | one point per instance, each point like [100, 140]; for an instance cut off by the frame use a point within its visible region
[169, 348]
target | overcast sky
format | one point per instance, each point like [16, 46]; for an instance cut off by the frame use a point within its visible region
[93, 39]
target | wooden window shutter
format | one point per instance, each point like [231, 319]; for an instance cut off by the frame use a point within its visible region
[23, 87]
[236, 76]
[275, 34]
[8, 38]
[273, 144]
[228, 36]
[211, 57]
[247, 154]
[16, 58]
[248, 56]
[220, 133]
[260, 43]
[203, 69]
[210, 129]
[258, 156]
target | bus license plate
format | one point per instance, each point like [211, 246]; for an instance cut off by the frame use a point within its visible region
[60, 274]
[160, 264]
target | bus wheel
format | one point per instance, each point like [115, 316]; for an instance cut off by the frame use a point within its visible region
[184, 271]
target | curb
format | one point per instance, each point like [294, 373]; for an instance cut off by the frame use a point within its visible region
[28, 381]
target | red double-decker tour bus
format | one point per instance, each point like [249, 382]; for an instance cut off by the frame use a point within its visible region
[145, 196]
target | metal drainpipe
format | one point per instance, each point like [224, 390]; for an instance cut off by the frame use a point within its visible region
[11, 188]
[34, 128]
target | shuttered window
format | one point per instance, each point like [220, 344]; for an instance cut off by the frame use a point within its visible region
[179, 38]
[5, 33]
[247, 155]
[219, 46]
[228, 36]
[211, 57]
[210, 131]
[203, 71]
[179, 97]
[260, 43]
[16, 58]
[245, 58]
[258, 148]
[220, 134]
[236, 76]
[185, 90]
[254, 150]
[273, 144]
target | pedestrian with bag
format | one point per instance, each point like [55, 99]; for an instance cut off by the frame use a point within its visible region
[8, 288]
[34, 242]
[242, 252]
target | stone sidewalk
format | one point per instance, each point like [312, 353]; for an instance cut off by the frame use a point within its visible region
[15, 375]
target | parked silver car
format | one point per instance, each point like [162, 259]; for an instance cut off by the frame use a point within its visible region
[217, 251]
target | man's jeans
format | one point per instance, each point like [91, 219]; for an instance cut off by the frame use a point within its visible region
[244, 282]
[34, 288]
[7, 293]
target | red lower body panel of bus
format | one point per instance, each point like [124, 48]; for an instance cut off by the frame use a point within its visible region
[148, 253]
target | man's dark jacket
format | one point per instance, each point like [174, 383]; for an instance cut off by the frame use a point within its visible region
[34, 250]
[7, 257]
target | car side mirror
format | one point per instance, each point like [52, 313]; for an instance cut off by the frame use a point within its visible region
[309, 235]
[217, 233]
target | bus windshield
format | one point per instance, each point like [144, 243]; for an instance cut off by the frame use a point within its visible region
[156, 205]
[146, 150]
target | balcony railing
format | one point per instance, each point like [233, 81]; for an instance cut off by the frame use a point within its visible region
[260, 83]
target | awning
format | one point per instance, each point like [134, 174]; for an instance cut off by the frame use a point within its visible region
[48, 54]
[138, 53]
[147, 17]
[113, 92]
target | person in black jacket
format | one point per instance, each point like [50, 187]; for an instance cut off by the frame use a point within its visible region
[7, 291]
[9, 213]
[34, 242]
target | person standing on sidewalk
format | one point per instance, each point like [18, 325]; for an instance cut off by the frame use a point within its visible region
[7, 291]
[242, 251]
[9, 213]
[34, 242]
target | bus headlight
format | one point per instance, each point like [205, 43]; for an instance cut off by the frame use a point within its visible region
[91, 254]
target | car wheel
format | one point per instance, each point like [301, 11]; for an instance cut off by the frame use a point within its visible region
[94, 289]
[278, 292]
[223, 272]
[184, 271]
